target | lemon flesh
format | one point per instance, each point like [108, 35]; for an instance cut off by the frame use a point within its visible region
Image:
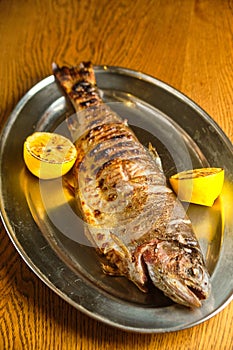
[49, 155]
[198, 186]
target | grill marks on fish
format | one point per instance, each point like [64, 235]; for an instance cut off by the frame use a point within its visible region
[111, 131]
[79, 83]
[113, 143]
[116, 173]
[131, 215]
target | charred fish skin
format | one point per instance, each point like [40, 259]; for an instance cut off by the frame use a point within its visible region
[79, 83]
[131, 215]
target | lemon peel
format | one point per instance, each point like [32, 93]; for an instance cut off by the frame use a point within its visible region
[48, 155]
[199, 186]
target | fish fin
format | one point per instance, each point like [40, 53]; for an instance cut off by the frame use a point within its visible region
[79, 83]
[88, 235]
[121, 245]
[111, 270]
[155, 156]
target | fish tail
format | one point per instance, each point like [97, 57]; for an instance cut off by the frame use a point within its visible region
[79, 83]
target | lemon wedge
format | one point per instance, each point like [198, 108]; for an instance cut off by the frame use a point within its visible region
[198, 186]
[48, 155]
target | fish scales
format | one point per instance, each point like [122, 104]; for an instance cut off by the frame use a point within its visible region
[131, 215]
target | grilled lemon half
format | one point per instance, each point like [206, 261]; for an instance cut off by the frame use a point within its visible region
[48, 155]
[198, 186]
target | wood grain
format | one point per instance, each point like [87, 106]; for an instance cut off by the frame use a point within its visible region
[187, 44]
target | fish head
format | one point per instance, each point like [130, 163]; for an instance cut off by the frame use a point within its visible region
[178, 271]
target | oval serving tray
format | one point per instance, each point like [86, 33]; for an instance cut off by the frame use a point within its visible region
[184, 136]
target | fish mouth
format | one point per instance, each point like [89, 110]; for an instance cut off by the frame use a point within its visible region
[198, 293]
[184, 293]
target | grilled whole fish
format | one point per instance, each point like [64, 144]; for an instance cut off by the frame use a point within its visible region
[132, 216]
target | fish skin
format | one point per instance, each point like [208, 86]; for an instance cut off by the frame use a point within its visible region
[131, 215]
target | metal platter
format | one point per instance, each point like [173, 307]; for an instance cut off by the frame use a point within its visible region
[38, 214]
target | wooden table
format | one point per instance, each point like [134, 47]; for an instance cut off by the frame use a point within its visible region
[187, 44]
